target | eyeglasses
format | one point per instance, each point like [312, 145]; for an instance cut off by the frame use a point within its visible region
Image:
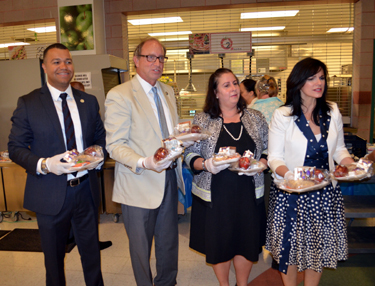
[152, 59]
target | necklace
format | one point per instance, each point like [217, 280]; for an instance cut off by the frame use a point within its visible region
[230, 134]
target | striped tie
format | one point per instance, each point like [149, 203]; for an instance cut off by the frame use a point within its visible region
[68, 123]
[162, 121]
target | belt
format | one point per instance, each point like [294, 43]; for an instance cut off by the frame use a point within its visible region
[172, 166]
[75, 182]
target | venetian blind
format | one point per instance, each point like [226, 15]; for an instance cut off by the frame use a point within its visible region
[275, 52]
[32, 41]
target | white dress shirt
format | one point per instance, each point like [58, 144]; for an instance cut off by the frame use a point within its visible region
[55, 93]
[150, 95]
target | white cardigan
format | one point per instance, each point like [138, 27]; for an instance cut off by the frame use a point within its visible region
[287, 145]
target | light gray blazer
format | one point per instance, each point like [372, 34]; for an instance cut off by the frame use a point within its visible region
[132, 132]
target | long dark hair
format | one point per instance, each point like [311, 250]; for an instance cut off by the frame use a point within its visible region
[211, 105]
[297, 79]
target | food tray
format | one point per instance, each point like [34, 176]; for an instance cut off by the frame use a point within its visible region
[358, 177]
[254, 168]
[78, 169]
[280, 184]
[228, 161]
[171, 157]
[192, 136]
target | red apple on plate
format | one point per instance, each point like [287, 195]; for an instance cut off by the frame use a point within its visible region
[160, 154]
[244, 163]
[195, 129]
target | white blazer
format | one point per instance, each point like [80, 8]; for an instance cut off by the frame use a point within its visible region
[287, 145]
[132, 132]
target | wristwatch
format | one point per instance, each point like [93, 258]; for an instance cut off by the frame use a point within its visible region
[204, 166]
[44, 167]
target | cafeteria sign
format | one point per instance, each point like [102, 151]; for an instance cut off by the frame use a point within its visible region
[237, 42]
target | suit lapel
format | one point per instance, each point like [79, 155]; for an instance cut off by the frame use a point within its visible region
[141, 97]
[50, 109]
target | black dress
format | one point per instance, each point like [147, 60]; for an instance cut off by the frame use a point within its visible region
[234, 224]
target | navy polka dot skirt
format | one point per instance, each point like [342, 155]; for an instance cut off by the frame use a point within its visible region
[307, 229]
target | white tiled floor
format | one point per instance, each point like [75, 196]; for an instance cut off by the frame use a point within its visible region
[27, 268]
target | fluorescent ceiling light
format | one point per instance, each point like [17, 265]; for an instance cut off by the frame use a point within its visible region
[152, 21]
[43, 29]
[174, 39]
[340, 30]
[269, 14]
[258, 35]
[276, 28]
[170, 33]
[13, 44]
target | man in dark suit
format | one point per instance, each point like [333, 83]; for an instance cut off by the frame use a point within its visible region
[39, 139]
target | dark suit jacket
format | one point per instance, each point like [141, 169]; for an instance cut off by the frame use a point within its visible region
[36, 133]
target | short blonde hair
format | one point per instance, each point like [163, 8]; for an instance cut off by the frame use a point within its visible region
[266, 85]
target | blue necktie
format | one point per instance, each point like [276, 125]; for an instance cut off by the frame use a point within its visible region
[162, 121]
[68, 124]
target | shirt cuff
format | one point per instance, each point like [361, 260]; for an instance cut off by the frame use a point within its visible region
[39, 167]
[140, 163]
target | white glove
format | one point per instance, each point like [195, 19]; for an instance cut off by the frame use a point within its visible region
[289, 176]
[213, 168]
[186, 144]
[57, 167]
[97, 165]
[150, 164]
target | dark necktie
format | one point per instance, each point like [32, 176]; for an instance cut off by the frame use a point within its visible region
[68, 123]
[162, 121]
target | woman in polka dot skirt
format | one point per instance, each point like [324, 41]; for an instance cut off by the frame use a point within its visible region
[306, 231]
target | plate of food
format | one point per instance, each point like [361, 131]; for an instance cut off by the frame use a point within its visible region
[305, 179]
[226, 155]
[353, 172]
[185, 131]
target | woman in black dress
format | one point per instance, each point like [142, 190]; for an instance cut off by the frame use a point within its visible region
[228, 214]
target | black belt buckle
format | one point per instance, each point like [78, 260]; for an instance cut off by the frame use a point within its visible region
[75, 182]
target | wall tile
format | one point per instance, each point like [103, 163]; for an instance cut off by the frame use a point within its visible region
[6, 5]
[116, 31]
[114, 43]
[32, 14]
[191, 3]
[112, 19]
[368, 18]
[364, 110]
[121, 6]
[365, 84]
[50, 13]
[22, 4]
[368, 5]
[44, 3]
[242, 1]
[366, 59]
[14, 16]
[165, 4]
[366, 32]
[116, 53]
[364, 133]
[108, 31]
[144, 5]
[217, 2]
[362, 97]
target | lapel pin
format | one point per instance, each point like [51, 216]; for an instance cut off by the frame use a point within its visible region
[82, 100]
[166, 92]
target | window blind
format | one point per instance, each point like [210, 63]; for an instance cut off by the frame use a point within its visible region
[275, 52]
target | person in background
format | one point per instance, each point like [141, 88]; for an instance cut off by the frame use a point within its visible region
[46, 123]
[139, 114]
[266, 89]
[247, 88]
[102, 244]
[228, 217]
[306, 231]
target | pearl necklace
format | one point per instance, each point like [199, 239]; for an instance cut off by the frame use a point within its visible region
[230, 134]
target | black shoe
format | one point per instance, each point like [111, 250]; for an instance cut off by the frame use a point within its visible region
[104, 244]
